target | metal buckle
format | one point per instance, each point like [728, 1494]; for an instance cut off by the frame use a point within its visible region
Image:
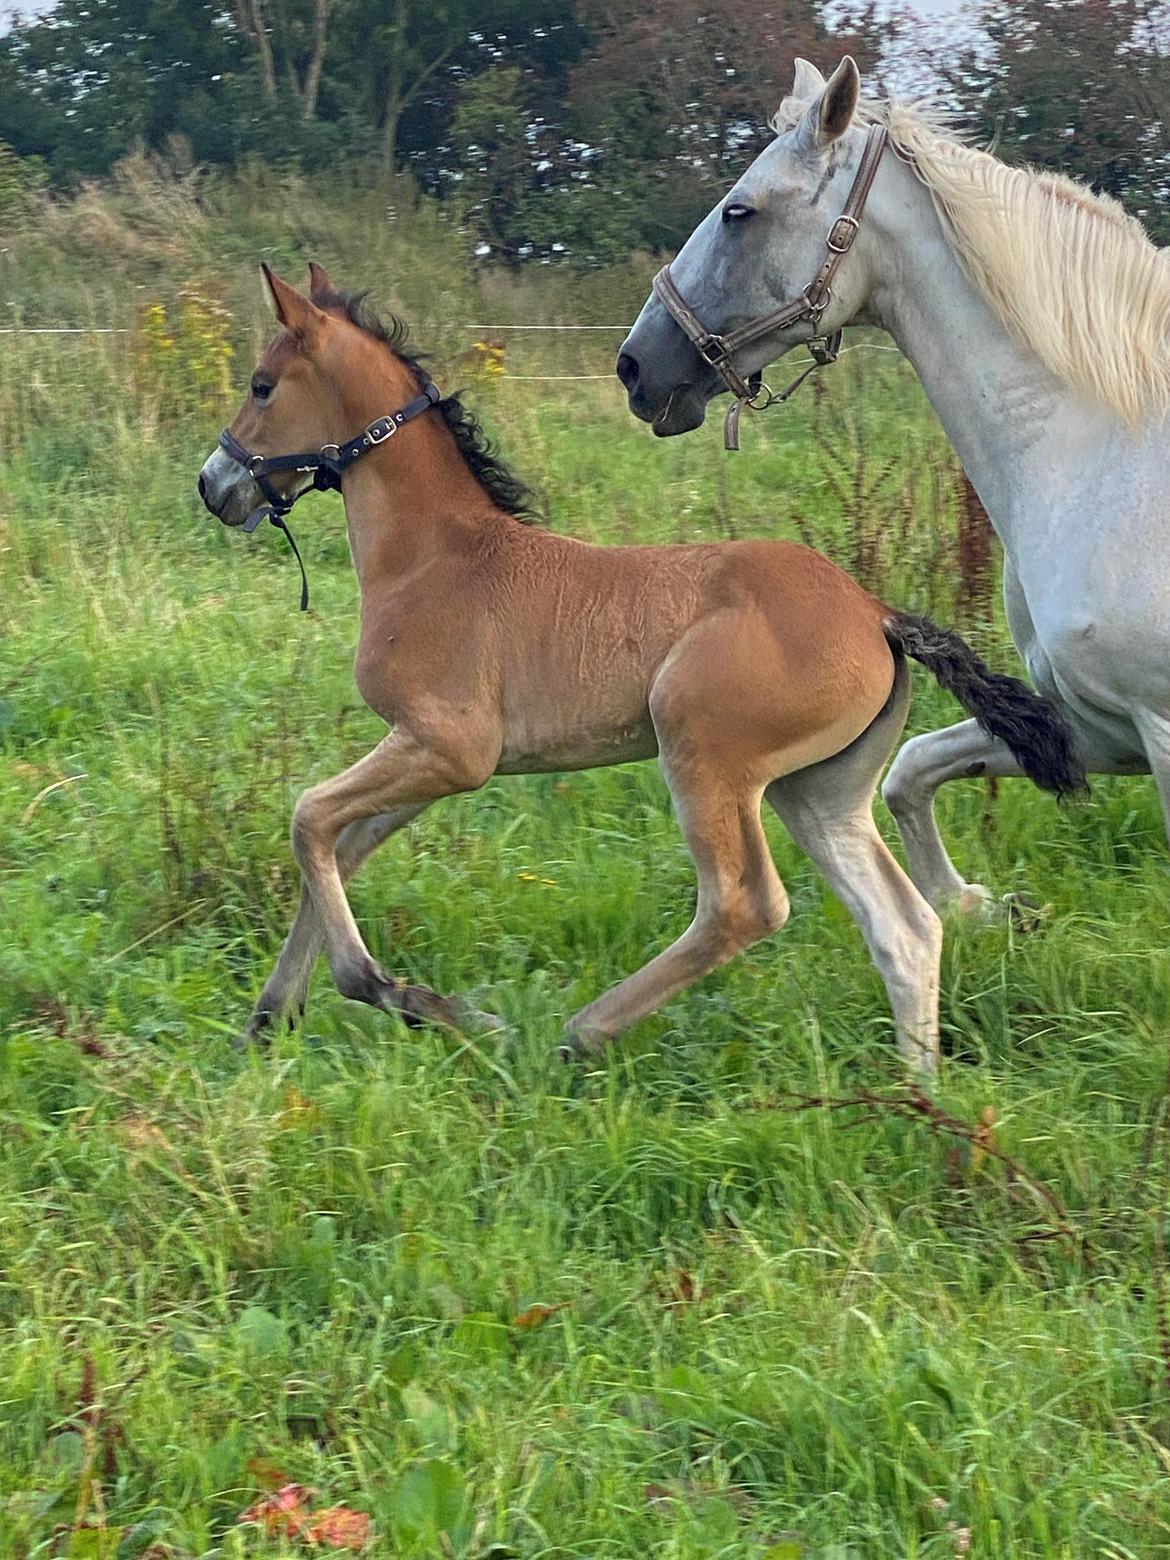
[713, 351]
[389, 427]
[840, 245]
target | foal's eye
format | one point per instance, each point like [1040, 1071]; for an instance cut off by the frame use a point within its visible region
[261, 389]
[737, 211]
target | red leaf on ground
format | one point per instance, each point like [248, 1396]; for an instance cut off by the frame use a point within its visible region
[286, 1514]
[282, 1513]
[537, 1315]
[338, 1528]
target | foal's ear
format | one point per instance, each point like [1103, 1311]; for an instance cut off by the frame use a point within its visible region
[299, 317]
[320, 282]
[831, 112]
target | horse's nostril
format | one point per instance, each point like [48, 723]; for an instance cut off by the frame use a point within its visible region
[202, 489]
[627, 370]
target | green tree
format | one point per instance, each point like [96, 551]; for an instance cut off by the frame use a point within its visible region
[1081, 86]
[489, 132]
[681, 91]
[87, 82]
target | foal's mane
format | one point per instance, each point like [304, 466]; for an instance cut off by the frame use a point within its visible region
[502, 486]
[1069, 272]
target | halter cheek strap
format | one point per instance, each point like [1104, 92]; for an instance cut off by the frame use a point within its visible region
[717, 350]
[325, 465]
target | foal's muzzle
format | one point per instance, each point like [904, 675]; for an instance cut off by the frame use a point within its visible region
[227, 491]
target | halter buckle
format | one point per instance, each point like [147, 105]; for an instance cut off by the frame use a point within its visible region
[842, 234]
[379, 432]
[713, 350]
[825, 349]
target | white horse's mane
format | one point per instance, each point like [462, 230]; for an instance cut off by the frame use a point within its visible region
[1069, 272]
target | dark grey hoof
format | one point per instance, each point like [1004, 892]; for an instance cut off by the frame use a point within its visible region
[583, 1045]
[256, 1032]
[1023, 912]
[418, 1005]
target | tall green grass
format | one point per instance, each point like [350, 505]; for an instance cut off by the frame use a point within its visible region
[784, 1331]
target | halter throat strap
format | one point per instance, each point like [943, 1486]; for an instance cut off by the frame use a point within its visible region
[717, 350]
[325, 466]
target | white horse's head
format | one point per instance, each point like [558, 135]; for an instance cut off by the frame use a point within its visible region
[759, 247]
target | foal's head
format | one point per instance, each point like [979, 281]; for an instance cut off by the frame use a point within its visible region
[318, 383]
[332, 372]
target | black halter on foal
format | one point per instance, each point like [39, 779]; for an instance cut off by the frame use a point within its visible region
[718, 350]
[326, 465]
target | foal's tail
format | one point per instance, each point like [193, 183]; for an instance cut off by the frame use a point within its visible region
[1005, 707]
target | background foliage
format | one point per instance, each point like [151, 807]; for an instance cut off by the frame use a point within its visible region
[576, 129]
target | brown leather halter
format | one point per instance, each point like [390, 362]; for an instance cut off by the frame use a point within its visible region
[717, 351]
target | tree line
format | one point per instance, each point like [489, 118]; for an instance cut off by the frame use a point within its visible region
[567, 128]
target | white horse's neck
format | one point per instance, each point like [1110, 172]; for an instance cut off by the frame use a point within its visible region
[1021, 434]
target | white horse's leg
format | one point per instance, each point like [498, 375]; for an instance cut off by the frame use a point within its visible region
[959, 752]
[828, 811]
[1154, 730]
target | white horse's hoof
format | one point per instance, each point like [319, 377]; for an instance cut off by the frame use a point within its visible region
[976, 903]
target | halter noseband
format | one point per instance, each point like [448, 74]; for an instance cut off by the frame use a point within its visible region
[326, 465]
[717, 350]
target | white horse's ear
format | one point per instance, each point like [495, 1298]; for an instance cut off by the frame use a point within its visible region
[807, 82]
[831, 112]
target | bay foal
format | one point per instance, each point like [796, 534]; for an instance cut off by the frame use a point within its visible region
[753, 670]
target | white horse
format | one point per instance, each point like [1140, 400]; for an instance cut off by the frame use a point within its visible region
[1037, 315]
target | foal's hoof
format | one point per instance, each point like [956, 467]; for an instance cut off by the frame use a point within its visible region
[418, 1005]
[256, 1032]
[582, 1044]
[477, 1021]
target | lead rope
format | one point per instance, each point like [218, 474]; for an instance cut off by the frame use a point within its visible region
[824, 353]
[281, 525]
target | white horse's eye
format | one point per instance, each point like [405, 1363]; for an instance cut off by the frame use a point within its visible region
[738, 212]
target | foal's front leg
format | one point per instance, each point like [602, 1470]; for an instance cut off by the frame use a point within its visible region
[404, 773]
[286, 989]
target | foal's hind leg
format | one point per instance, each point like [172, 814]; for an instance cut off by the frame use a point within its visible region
[286, 989]
[828, 811]
[741, 899]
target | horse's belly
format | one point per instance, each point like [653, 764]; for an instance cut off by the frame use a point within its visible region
[531, 751]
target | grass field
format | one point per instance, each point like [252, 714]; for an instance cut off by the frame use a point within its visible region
[768, 1331]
